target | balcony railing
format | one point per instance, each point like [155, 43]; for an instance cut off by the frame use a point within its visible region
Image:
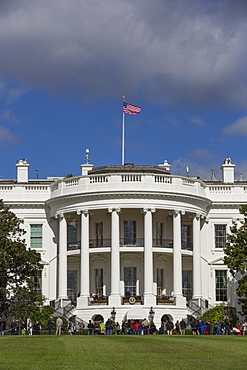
[135, 299]
[131, 242]
[99, 243]
[165, 300]
[98, 300]
[187, 245]
[137, 242]
[162, 243]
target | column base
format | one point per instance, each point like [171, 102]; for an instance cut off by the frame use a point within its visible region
[149, 300]
[82, 302]
[115, 300]
[180, 300]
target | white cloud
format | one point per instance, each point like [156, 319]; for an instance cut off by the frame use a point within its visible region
[6, 136]
[173, 51]
[238, 127]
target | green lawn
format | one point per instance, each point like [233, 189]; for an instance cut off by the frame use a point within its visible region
[123, 352]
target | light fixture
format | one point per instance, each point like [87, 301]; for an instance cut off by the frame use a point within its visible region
[113, 314]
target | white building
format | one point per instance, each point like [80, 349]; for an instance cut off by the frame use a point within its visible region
[130, 238]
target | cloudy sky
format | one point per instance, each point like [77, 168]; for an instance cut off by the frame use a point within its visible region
[65, 65]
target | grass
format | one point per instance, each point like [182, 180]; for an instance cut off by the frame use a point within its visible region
[122, 352]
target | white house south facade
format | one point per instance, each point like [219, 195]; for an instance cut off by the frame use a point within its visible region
[128, 237]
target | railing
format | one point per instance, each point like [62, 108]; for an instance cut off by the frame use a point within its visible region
[165, 300]
[98, 300]
[131, 242]
[187, 245]
[162, 243]
[135, 299]
[99, 243]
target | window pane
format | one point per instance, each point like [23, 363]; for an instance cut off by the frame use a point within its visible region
[36, 236]
[187, 284]
[220, 236]
[99, 281]
[221, 285]
[37, 283]
[160, 280]
[71, 233]
[72, 285]
[129, 232]
[99, 234]
[130, 281]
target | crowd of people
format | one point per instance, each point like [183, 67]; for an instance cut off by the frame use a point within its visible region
[127, 327]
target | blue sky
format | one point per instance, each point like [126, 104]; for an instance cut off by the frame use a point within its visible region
[65, 65]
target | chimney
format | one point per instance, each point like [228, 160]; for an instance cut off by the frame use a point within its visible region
[22, 170]
[85, 168]
[165, 166]
[227, 171]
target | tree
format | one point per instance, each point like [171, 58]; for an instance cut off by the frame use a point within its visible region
[236, 257]
[18, 265]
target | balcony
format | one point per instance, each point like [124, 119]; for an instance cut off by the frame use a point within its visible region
[97, 300]
[160, 300]
[133, 242]
[162, 243]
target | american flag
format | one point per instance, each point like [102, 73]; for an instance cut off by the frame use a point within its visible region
[131, 109]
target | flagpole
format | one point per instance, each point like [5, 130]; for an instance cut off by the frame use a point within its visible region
[123, 135]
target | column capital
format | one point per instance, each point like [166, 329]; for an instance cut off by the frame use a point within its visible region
[176, 212]
[59, 215]
[152, 210]
[110, 210]
[84, 212]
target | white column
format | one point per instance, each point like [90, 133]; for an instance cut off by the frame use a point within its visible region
[149, 298]
[177, 259]
[115, 296]
[62, 262]
[197, 282]
[82, 301]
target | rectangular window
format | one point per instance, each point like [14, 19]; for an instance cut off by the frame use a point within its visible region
[186, 237]
[159, 234]
[160, 281]
[71, 233]
[99, 234]
[99, 281]
[187, 284]
[130, 281]
[130, 232]
[72, 285]
[37, 283]
[220, 236]
[221, 285]
[36, 236]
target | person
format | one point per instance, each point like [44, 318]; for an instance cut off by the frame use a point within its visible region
[102, 327]
[145, 326]
[161, 330]
[59, 324]
[90, 328]
[182, 326]
[193, 327]
[2, 328]
[30, 327]
[69, 327]
[169, 327]
[177, 327]
[208, 327]
[108, 326]
[202, 327]
[219, 328]
[13, 327]
[118, 329]
[36, 328]
[81, 327]
[152, 329]
[50, 326]
[140, 328]
[23, 328]
[227, 326]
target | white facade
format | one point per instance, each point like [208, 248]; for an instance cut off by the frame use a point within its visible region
[121, 234]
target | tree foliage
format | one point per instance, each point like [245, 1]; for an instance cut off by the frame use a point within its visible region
[18, 265]
[236, 257]
[219, 313]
